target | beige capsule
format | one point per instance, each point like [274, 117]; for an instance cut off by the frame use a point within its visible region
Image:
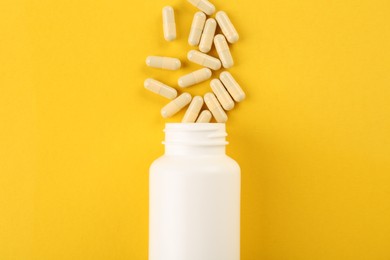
[204, 60]
[196, 28]
[195, 77]
[203, 5]
[223, 51]
[193, 110]
[176, 105]
[160, 88]
[206, 42]
[232, 86]
[166, 63]
[169, 24]
[215, 108]
[227, 27]
[223, 96]
[204, 117]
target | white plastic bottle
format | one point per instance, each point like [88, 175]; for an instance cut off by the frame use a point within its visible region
[194, 196]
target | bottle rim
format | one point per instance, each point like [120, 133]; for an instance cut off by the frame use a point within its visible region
[195, 134]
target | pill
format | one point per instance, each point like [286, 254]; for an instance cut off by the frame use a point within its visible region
[215, 108]
[193, 110]
[196, 28]
[169, 24]
[160, 88]
[223, 51]
[176, 105]
[204, 117]
[222, 95]
[166, 63]
[232, 86]
[206, 42]
[195, 77]
[227, 27]
[204, 60]
[203, 5]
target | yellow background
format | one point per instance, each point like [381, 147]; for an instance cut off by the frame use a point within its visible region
[78, 131]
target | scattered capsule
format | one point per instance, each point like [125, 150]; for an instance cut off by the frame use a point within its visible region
[223, 51]
[195, 77]
[204, 117]
[206, 42]
[193, 110]
[222, 94]
[215, 108]
[203, 5]
[160, 88]
[204, 60]
[196, 28]
[232, 86]
[176, 105]
[166, 63]
[169, 24]
[227, 27]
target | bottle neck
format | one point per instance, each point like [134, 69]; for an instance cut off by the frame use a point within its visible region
[195, 139]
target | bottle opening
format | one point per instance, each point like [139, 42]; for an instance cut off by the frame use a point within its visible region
[199, 134]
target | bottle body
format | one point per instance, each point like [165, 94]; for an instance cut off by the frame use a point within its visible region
[194, 205]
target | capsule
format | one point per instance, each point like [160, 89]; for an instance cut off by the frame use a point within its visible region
[206, 42]
[223, 51]
[193, 110]
[204, 117]
[195, 77]
[204, 60]
[166, 63]
[222, 94]
[232, 86]
[160, 88]
[169, 24]
[196, 28]
[215, 108]
[203, 5]
[227, 27]
[176, 105]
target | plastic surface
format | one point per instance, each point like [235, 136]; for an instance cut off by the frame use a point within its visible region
[194, 193]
